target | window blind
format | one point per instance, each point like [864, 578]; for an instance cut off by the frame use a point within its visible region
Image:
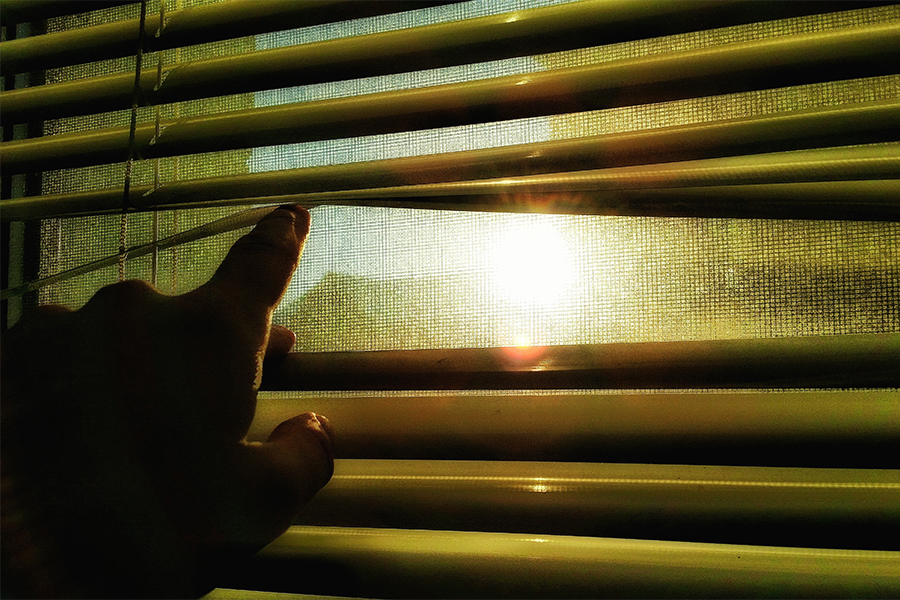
[602, 297]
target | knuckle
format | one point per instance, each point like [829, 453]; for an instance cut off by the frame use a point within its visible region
[124, 293]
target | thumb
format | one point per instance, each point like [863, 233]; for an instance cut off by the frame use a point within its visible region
[286, 471]
[294, 437]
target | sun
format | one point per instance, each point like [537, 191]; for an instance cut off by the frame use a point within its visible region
[532, 264]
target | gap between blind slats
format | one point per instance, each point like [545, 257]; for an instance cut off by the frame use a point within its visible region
[824, 428]
[837, 200]
[196, 25]
[845, 508]
[523, 33]
[862, 360]
[789, 60]
[390, 563]
[856, 123]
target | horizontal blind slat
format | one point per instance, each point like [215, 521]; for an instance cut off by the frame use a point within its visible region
[523, 33]
[195, 25]
[746, 505]
[872, 200]
[450, 564]
[788, 60]
[220, 593]
[824, 428]
[863, 360]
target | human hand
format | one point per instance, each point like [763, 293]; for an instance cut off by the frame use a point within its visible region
[125, 469]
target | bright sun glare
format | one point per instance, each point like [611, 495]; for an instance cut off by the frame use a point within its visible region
[532, 264]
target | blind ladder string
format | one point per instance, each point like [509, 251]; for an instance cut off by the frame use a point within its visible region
[154, 256]
[129, 162]
[176, 176]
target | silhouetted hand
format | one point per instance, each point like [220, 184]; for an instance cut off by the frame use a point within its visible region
[125, 470]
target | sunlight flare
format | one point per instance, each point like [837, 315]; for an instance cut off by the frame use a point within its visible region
[532, 264]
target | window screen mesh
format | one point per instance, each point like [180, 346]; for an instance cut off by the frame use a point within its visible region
[378, 278]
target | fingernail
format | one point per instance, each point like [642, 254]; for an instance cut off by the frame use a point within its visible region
[325, 423]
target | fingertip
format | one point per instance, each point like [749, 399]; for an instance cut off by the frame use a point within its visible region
[258, 268]
[298, 218]
[301, 221]
[281, 340]
[300, 210]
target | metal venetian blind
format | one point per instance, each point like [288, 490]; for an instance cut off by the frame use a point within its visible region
[590, 462]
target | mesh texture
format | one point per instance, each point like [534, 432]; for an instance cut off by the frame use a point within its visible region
[378, 279]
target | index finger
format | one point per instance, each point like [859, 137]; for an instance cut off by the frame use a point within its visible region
[259, 266]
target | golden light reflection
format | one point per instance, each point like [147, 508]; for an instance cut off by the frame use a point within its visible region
[523, 350]
[539, 485]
